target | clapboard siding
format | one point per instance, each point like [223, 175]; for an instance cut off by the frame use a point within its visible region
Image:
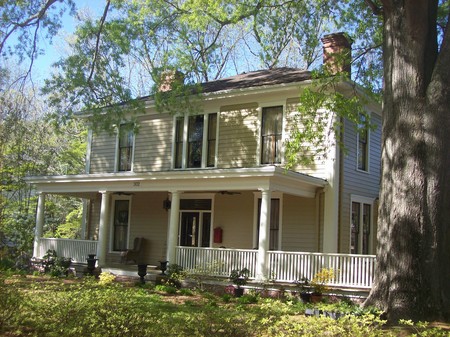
[355, 182]
[238, 136]
[153, 144]
[300, 224]
[318, 167]
[103, 152]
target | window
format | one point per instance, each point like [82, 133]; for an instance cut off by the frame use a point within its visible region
[360, 228]
[271, 133]
[195, 147]
[212, 128]
[125, 151]
[274, 223]
[363, 144]
[120, 226]
[195, 141]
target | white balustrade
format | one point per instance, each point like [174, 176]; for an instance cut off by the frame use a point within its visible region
[354, 271]
[78, 250]
[351, 270]
[216, 261]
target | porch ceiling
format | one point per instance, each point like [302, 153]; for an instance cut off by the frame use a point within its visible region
[211, 180]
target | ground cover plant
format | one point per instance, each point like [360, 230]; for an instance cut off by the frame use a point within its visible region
[41, 305]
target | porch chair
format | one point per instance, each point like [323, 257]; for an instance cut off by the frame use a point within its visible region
[133, 254]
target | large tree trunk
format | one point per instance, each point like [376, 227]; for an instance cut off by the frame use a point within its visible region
[412, 279]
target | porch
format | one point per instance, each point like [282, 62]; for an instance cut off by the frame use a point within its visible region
[351, 270]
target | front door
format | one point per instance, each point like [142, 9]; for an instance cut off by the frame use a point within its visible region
[195, 229]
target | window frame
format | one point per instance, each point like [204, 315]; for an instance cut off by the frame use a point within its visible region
[180, 158]
[116, 198]
[362, 201]
[280, 137]
[118, 161]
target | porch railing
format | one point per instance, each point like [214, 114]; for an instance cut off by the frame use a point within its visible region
[78, 250]
[216, 261]
[354, 271]
[351, 270]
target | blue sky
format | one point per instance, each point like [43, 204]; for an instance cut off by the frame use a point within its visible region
[55, 50]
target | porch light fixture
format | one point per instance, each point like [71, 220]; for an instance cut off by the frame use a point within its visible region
[167, 204]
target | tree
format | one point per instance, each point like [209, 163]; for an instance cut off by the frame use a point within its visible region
[413, 254]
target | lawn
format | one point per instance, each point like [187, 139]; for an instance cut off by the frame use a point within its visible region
[49, 306]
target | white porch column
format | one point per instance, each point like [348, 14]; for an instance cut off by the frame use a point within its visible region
[264, 233]
[102, 246]
[331, 205]
[39, 224]
[172, 235]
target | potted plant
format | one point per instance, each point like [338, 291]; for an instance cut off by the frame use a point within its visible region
[239, 278]
[319, 283]
[304, 288]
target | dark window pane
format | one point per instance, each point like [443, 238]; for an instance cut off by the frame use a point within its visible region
[195, 141]
[354, 240]
[120, 240]
[125, 149]
[179, 142]
[212, 128]
[272, 127]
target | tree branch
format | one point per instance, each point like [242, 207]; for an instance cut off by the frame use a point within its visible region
[97, 42]
[33, 19]
[375, 9]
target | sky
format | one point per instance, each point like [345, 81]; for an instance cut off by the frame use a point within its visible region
[56, 49]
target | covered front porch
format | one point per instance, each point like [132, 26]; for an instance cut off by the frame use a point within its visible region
[351, 271]
[280, 225]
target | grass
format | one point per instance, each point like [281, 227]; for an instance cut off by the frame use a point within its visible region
[46, 306]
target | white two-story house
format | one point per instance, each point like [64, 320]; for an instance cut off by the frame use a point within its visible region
[210, 188]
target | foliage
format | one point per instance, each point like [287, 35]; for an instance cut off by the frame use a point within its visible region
[240, 277]
[53, 308]
[55, 265]
[321, 279]
[106, 278]
[317, 126]
[176, 275]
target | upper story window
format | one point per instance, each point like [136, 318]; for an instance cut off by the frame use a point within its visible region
[195, 141]
[125, 148]
[271, 135]
[363, 144]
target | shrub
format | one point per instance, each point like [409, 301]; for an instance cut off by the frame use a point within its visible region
[106, 278]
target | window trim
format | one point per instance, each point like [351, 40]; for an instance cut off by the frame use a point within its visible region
[362, 201]
[111, 226]
[273, 104]
[117, 150]
[184, 154]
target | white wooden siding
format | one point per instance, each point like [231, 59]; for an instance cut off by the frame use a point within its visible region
[238, 136]
[364, 184]
[153, 145]
[103, 153]
[299, 228]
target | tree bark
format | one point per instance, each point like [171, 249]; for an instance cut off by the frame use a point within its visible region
[412, 278]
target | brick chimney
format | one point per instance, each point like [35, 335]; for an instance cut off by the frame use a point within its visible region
[168, 77]
[337, 53]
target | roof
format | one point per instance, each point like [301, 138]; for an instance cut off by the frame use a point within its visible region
[257, 78]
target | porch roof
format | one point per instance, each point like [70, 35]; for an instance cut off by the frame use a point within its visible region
[206, 180]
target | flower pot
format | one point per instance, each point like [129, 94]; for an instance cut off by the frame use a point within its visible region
[316, 298]
[142, 271]
[306, 297]
[238, 292]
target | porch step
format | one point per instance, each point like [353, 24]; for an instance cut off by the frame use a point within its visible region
[127, 270]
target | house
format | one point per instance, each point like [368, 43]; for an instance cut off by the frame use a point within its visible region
[210, 189]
